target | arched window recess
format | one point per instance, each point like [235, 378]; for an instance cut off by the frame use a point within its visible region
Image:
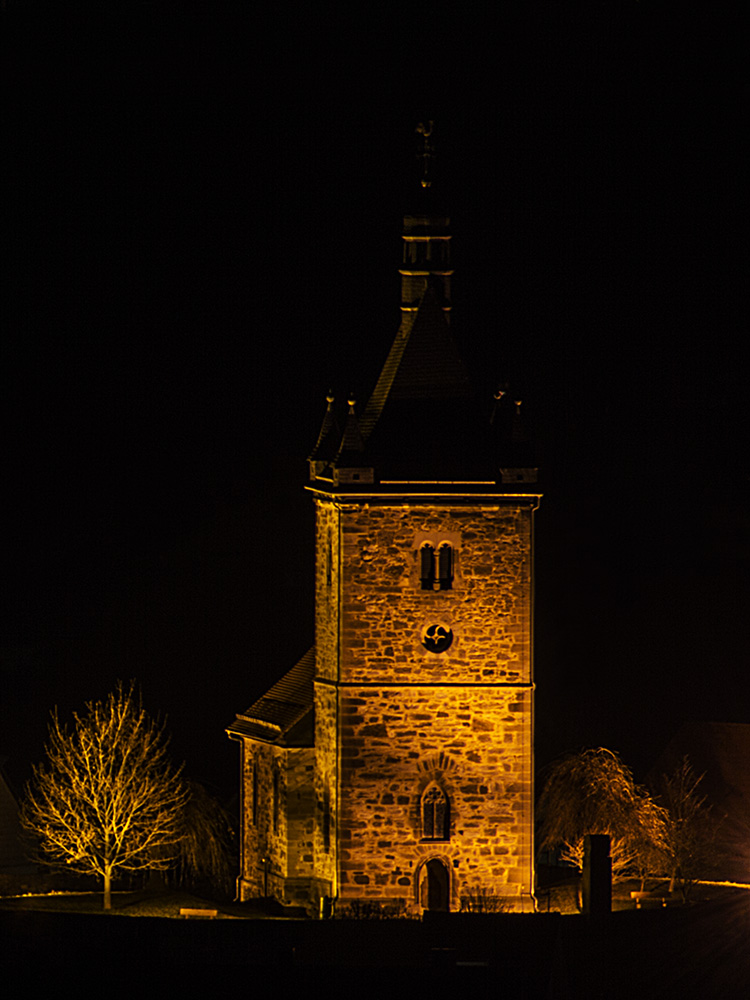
[436, 567]
[435, 809]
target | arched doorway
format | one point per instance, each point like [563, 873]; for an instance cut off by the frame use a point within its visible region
[434, 886]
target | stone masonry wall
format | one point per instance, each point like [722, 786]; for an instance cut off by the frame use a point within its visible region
[385, 612]
[327, 583]
[405, 717]
[300, 812]
[475, 744]
[278, 843]
[326, 784]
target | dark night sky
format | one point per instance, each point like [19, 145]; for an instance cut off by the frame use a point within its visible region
[202, 237]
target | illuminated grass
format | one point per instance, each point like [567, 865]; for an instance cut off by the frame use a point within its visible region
[128, 904]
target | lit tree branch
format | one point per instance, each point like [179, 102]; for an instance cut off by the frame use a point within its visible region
[593, 791]
[688, 847]
[107, 799]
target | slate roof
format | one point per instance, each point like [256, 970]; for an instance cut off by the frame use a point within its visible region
[423, 363]
[423, 420]
[284, 714]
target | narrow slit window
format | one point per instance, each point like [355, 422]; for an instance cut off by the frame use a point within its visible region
[329, 560]
[445, 567]
[326, 821]
[427, 567]
[276, 801]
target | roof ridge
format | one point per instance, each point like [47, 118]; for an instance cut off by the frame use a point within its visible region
[383, 386]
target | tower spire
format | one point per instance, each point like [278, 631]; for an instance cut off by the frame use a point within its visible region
[426, 253]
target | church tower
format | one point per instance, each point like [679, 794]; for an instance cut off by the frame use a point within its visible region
[394, 763]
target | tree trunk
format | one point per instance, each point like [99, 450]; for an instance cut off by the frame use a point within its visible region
[107, 861]
[674, 879]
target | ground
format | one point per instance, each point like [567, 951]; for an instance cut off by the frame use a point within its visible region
[557, 896]
[145, 903]
[694, 951]
[558, 892]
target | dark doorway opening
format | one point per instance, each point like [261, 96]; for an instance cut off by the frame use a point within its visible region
[435, 886]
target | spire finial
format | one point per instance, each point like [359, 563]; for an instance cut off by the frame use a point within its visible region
[427, 152]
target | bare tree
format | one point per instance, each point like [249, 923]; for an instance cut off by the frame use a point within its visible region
[107, 799]
[592, 791]
[207, 848]
[690, 828]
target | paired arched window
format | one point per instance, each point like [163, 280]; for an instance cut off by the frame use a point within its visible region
[435, 814]
[436, 567]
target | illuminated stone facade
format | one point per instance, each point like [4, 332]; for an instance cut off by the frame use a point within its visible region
[408, 720]
[394, 763]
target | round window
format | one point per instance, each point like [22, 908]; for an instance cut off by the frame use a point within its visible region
[437, 638]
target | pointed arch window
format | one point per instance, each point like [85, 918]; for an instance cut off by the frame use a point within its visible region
[435, 814]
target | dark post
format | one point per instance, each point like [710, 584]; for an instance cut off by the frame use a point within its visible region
[597, 875]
